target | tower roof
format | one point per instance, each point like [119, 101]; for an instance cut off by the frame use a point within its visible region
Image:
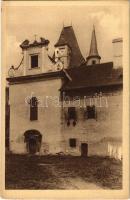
[67, 37]
[93, 46]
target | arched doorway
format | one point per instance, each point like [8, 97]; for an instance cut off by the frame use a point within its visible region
[33, 140]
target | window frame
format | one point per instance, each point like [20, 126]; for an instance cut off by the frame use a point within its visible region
[32, 55]
[72, 142]
[89, 110]
[34, 110]
[71, 111]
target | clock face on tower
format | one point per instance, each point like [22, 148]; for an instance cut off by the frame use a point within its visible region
[62, 54]
[59, 64]
[59, 52]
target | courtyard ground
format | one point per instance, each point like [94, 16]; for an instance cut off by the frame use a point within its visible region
[61, 172]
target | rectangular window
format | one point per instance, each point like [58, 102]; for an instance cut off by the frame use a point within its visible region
[33, 109]
[72, 142]
[94, 62]
[34, 61]
[71, 113]
[91, 112]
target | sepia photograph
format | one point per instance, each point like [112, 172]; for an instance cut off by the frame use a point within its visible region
[64, 86]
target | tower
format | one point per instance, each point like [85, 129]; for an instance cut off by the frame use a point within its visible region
[62, 55]
[35, 56]
[67, 49]
[93, 57]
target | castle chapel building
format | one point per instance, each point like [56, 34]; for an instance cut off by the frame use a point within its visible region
[65, 104]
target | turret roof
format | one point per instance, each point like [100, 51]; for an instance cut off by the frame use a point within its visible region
[93, 46]
[67, 37]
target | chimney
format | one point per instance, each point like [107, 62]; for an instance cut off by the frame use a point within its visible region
[117, 52]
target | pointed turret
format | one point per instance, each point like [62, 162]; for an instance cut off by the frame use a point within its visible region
[93, 57]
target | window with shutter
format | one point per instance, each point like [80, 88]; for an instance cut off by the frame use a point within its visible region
[33, 109]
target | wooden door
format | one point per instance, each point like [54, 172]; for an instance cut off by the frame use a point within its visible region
[84, 149]
[32, 146]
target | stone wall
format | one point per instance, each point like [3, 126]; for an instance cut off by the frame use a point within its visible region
[108, 124]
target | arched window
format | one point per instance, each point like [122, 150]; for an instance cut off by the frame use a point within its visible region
[33, 109]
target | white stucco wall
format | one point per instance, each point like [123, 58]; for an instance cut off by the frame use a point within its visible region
[52, 124]
[44, 64]
[48, 123]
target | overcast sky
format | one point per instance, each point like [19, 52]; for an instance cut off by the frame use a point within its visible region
[23, 22]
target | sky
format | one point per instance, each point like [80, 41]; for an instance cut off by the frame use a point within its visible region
[23, 22]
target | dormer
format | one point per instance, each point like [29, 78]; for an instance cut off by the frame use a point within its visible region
[35, 55]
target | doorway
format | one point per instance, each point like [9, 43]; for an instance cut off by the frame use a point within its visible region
[84, 149]
[33, 141]
[32, 146]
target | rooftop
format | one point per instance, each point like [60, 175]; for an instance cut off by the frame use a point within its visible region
[93, 46]
[93, 76]
[67, 37]
[26, 43]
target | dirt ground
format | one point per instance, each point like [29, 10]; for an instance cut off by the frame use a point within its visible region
[61, 172]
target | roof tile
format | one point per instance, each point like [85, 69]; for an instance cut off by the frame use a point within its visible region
[93, 76]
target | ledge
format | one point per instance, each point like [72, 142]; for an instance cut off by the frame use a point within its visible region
[36, 77]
